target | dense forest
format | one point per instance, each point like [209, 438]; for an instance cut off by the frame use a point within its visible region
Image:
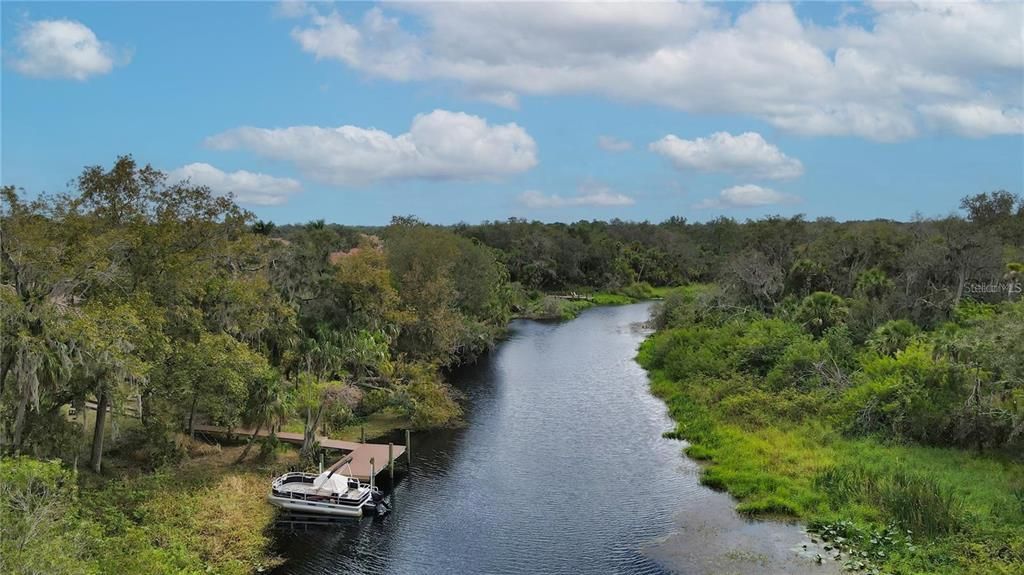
[806, 361]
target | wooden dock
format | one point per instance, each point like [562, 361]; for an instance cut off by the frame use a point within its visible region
[357, 455]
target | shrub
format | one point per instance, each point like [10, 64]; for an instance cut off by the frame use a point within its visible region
[892, 337]
[152, 445]
[696, 304]
[912, 396]
[764, 343]
[53, 436]
[673, 311]
[425, 398]
[269, 448]
[799, 366]
[969, 310]
[692, 351]
[638, 290]
[40, 530]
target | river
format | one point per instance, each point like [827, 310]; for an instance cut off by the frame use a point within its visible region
[561, 468]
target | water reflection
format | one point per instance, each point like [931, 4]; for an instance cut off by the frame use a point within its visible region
[560, 468]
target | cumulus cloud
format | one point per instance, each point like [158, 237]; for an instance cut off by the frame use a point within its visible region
[440, 145]
[613, 144]
[746, 196]
[589, 194]
[246, 187]
[62, 49]
[745, 154]
[975, 120]
[865, 80]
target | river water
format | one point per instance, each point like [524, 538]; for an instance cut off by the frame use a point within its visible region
[561, 469]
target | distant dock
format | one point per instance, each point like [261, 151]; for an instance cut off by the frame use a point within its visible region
[357, 456]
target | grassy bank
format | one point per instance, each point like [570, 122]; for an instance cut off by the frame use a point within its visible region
[207, 515]
[790, 449]
[555, 307]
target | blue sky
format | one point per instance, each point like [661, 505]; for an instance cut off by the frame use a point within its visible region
[356, 112]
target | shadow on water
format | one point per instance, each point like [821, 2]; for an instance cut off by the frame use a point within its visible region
[559, 468]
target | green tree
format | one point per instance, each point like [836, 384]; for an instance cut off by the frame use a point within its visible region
[820, 311]
[892, 337]
[265, 405]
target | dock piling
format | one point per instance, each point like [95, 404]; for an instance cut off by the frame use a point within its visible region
[408, 449]
[373, 474]
[362, 434]
[391, 461]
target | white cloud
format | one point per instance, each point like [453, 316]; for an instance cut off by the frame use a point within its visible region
[613, 144]
[746, 196]
[975, 120]
[61, 49]
[589, 194]
[866, 80]
[247, 187]
[745, 154]
[440, 145]
[377, 44]
[505, 99]
[294, 9]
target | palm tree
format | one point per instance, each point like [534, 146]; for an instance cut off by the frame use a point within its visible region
[873, 284]
[892, 337]
[820, 311]
[322, 355]
[265, 406]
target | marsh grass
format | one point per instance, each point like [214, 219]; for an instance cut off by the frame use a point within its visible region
[783, 455]
[914, 500]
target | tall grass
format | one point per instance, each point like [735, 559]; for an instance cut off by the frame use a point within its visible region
[916, 501]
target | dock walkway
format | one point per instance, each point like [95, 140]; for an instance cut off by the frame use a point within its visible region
[357, 455]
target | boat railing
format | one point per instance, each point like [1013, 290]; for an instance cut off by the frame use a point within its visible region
[279, 482]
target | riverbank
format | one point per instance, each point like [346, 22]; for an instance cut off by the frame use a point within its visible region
[559, 307]
[205, 515]
[786, 451]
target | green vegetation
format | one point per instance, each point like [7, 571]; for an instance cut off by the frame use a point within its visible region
[205, 516]
[566, 307]
[137, 300]
[902, 449]
[854, 373]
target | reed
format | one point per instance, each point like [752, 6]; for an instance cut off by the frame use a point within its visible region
[914, 500]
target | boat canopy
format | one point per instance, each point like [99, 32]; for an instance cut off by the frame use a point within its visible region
[332, 483]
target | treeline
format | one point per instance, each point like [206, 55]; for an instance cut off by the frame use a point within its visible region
[135, 292]
[923, 268]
